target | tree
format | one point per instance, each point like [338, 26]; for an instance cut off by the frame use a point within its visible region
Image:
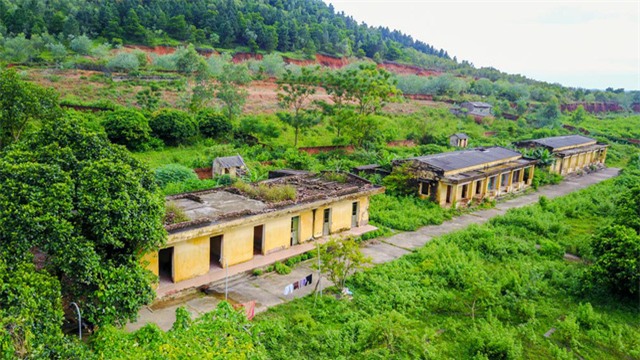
[213, 124]
[294, 92]
[89, 209]
[81, 45]
[173, 126]
[21, 104]
[127, 127]
[18, 50]
[149, 99]
[340, 258]
[229, 88]
[617, 252]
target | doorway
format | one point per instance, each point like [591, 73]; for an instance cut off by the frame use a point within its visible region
[326, 222]
[165, 264]
[215, 251]
[295, 230]
[258, 239]
[465, 191]
[449, 189]
[478, 187]
[354, 214]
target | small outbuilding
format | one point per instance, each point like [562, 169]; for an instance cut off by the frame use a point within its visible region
[231, 165]
[459, 140]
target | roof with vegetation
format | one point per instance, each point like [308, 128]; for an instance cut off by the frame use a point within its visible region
[462, 159]
[246, 199]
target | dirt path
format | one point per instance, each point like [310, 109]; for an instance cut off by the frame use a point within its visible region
[268, 290]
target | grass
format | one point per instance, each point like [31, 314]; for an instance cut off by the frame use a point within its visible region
[270, 193]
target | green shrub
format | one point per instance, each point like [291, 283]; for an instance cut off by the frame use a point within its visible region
[273, 193]
[174, 214]
[127, 127]
[551, 249]
[281, 268]
[405, 213]
[173, 126]
[213, 124]
[81, 45]
[173, 173]
[125, 62]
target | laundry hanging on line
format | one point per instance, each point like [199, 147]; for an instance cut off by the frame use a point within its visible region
[305, 281]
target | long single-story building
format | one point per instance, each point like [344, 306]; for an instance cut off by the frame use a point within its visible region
[572, 152]
[231, 225]
[457, 178]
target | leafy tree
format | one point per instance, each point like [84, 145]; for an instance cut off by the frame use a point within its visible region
[90, 209]
[18, 50]
[617, 252]
[173, 126]
[58, 51]
[22, 104]
[127, 127]
[251, 128]
[340, 258]
[401, 181]
[294, 92]
[548, 115]
[126, 62]
[579, 115]
[187, 59]
[229, 90]
[213, 124]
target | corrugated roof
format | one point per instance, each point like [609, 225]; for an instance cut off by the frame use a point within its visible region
[229, 161]
[467, 158]
[461, 135]
[562, 141]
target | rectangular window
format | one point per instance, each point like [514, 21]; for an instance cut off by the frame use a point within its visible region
[504, 179]
[425, 189]
[516, 176]
[465, 190]
[478, 187]
[492, 183]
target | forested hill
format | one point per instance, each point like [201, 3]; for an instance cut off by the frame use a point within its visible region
[284, 25]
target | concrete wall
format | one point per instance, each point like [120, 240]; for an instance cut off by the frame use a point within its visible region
[341, 216]
[237, 245]
[150, 261]
[277, 234]
[571, 164]
[190, 258]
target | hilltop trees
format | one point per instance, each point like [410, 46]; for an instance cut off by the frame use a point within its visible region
[294, 94]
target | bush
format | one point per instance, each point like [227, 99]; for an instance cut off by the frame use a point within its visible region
[127, 127]
[125, 62]
[174, 214]
[213, 124]
[274, 193]
[173, 126]
[173, 173]
[81, 45]
[282, 269]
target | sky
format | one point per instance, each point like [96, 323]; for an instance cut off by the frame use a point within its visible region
[588, 44]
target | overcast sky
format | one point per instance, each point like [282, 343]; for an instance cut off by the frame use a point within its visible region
[589, 44]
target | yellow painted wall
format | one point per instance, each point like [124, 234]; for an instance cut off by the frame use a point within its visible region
[277, 234]
[190, 258]
[341, 216]
[150, 261]
[363, 215]
[237, 245]
[306, 226]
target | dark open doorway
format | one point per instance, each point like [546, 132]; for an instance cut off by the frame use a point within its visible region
[326, 222]
[215, 251]
[165, 264]
[258, 239]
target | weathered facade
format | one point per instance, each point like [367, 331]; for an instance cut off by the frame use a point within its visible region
[459, 178]
[227, 227]
[572, 153]
[459, 140]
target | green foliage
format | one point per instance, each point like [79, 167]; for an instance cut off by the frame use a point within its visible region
[221, 333]
[405, 213]
[401, 181]
[81, 45]
[294, 91]
[340, 258]
[543, 177]
[127, 127]
[617, 252]
[281, 268]
[97, 211]
[173, 126]
[124, 62]
[148, 99]
[229, 88]
[173, 214]
[173, 173]
[213, 124]
[270, 193]
[21, 105]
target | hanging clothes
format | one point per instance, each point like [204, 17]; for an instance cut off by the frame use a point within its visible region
[310, 279]
[288, 289]
[303, 282]
[296, 285]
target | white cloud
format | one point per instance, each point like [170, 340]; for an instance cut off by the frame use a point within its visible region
[558, 41]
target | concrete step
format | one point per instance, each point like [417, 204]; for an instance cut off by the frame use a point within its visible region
[218, 286]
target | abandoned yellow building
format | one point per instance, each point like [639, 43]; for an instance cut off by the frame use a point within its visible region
[460, 177]
[571, 152]
[232, 225]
